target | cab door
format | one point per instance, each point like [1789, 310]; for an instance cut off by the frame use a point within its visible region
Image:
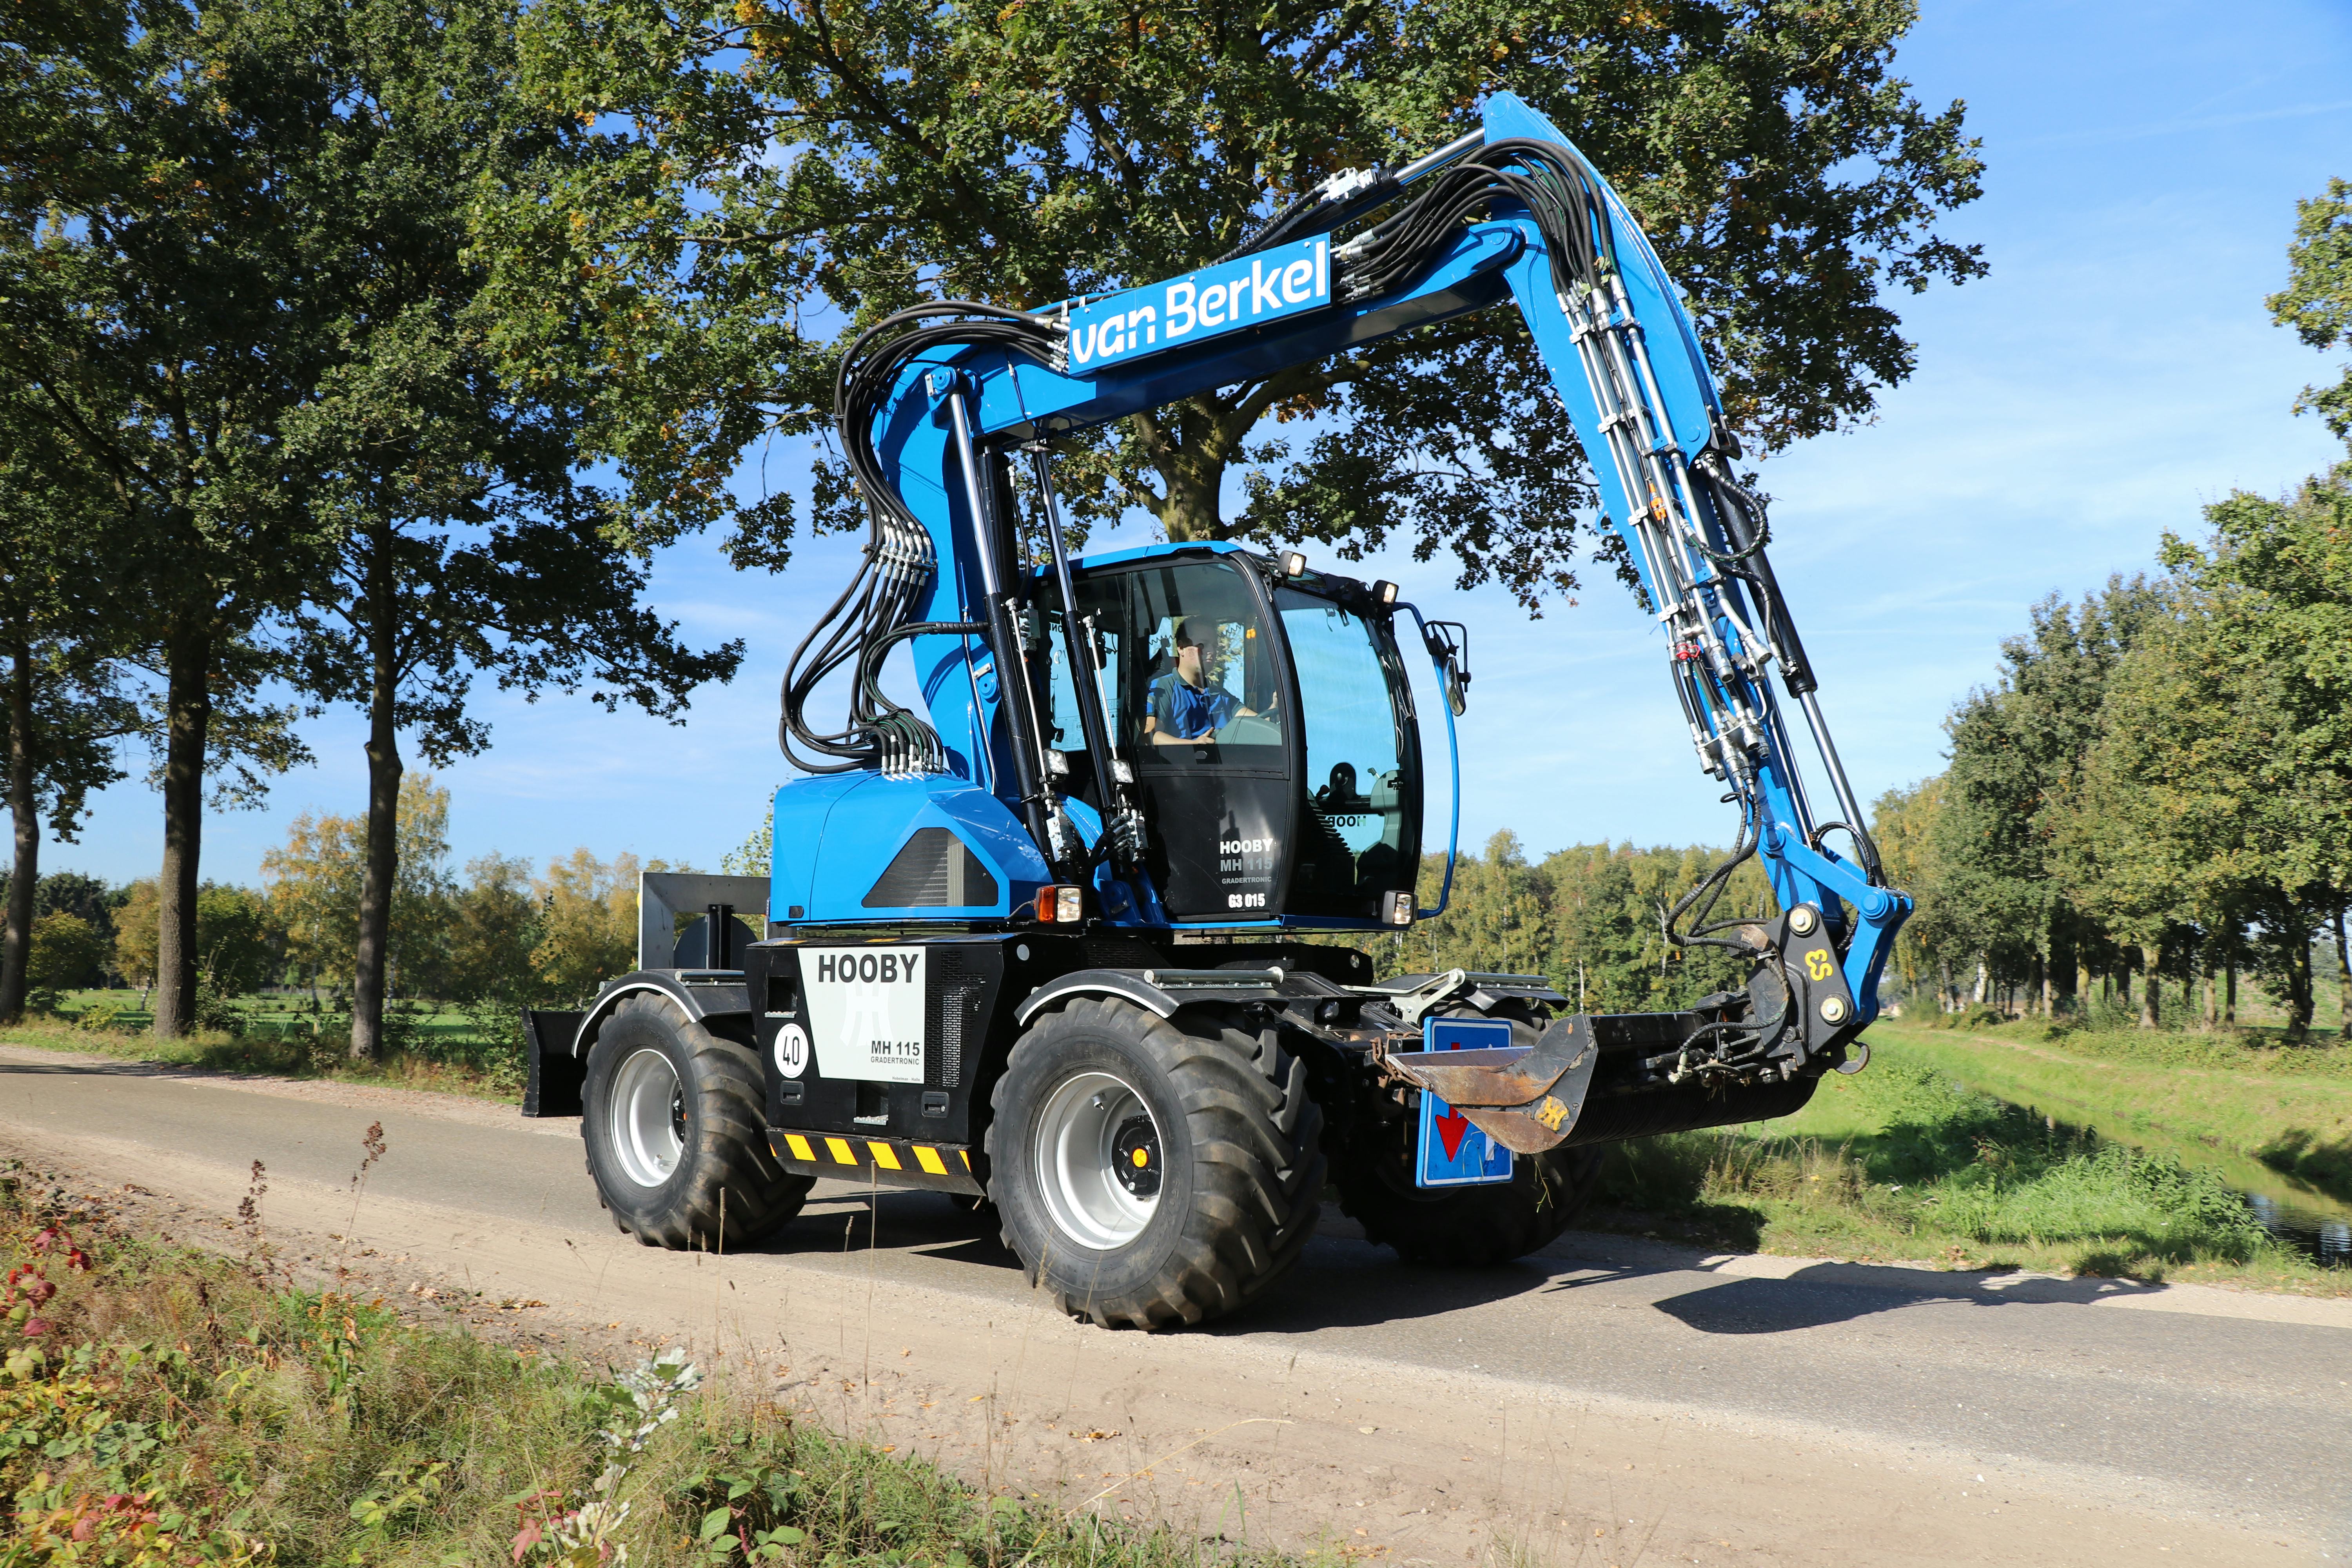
[1198, 696]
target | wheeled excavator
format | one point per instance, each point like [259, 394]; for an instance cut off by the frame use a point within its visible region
[1060, 943]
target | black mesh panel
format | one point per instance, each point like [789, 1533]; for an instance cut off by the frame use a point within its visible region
[935, 870]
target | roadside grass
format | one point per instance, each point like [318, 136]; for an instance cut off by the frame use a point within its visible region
[435, 1047]
[2247, 1095]
[160, 1406]
[1903, 1163]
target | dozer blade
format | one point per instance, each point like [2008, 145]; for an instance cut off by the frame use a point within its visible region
[1526, 1098]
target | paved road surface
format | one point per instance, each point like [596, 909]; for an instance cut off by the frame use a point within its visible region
[1609, 1401]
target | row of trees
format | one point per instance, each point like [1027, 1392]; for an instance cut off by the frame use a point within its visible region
[1589, 917]
[2159, 783]
[503, 933]
[360, 351]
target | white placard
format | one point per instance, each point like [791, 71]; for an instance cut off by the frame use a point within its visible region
[867, 1005]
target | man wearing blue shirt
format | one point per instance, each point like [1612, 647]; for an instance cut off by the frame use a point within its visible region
[1184, 707]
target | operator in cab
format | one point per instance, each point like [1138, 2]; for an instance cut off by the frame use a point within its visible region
[1186, 708]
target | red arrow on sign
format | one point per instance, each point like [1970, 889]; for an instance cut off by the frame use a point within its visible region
[1452, 1128]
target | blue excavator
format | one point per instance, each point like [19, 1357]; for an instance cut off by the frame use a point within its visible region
[1062, 942]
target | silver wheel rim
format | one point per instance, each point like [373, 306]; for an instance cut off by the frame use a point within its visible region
[649, 1117]
[1086, 1133]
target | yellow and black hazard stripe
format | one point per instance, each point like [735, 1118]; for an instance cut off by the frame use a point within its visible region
[942, 1167]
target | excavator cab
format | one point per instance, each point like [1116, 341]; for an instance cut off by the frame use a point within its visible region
[1267, 725]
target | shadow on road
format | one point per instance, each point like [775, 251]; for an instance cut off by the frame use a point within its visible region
[1827, 1293]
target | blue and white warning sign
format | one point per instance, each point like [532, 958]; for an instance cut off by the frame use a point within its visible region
[1452, 1152]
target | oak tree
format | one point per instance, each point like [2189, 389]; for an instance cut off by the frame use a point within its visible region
[780, 172]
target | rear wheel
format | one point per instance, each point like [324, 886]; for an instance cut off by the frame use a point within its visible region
[1463, 1226]
[674, 1131]
[1152, 1174]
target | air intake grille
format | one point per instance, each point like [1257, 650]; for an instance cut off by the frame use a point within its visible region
[934, 870]
[951, 1023]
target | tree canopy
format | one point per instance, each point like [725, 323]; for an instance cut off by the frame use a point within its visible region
[777, 175]
[2318, 299]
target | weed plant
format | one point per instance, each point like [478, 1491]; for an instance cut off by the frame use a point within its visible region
[161, 1406]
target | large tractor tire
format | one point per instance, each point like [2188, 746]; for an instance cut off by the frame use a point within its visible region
[673, 1127]
[1464, 1227]
[1153, 1172]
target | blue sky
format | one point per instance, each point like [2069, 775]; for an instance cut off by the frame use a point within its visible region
[2115, 372]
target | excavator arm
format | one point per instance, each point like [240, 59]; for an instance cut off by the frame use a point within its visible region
[933, 401]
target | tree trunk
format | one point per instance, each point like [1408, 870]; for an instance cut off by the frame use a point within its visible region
[2230, 992]
[2151, 988]
[16, 939]
[2212, 1017]
[2298, 992]
[383, 818]
[2062, 983]
[188, 711]
[2343, 975]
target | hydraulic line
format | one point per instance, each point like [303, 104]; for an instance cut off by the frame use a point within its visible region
[1700, 536]
[1122, 825]
[861, 626]
[1015, 691]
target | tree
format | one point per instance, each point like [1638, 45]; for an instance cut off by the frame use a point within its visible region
[495, 929]
[66, 953]
[1042, 151]
[137, 936]
[169, 291]
[239, 942]
[316, 882]
[588, 922]
[1908, 826]
[466, 545]
[2317, 298]
[64, 711]
[2018, 748]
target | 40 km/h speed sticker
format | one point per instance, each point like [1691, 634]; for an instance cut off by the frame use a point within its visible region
[792, 1050]
[867, 1004]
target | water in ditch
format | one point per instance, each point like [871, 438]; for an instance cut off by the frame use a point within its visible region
[2324, 1239]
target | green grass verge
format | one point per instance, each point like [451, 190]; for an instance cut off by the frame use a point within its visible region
[2243, 1104]
[443, 1049]
[162, 1406]
[1903, 1162]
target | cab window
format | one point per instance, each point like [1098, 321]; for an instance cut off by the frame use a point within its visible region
[1190, 678]
[1359, 837]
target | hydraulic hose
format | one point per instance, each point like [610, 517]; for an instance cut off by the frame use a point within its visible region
[875, 611]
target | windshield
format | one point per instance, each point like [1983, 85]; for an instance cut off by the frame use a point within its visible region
[1361, 834]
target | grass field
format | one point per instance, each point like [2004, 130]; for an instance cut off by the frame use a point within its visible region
[2243, 1104]
[1920, 1157]
[163, 1406]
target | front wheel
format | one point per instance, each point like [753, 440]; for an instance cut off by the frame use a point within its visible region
[674, 1131]
[1152, 1175]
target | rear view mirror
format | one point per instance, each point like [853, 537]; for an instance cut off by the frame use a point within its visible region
[1449, 646]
